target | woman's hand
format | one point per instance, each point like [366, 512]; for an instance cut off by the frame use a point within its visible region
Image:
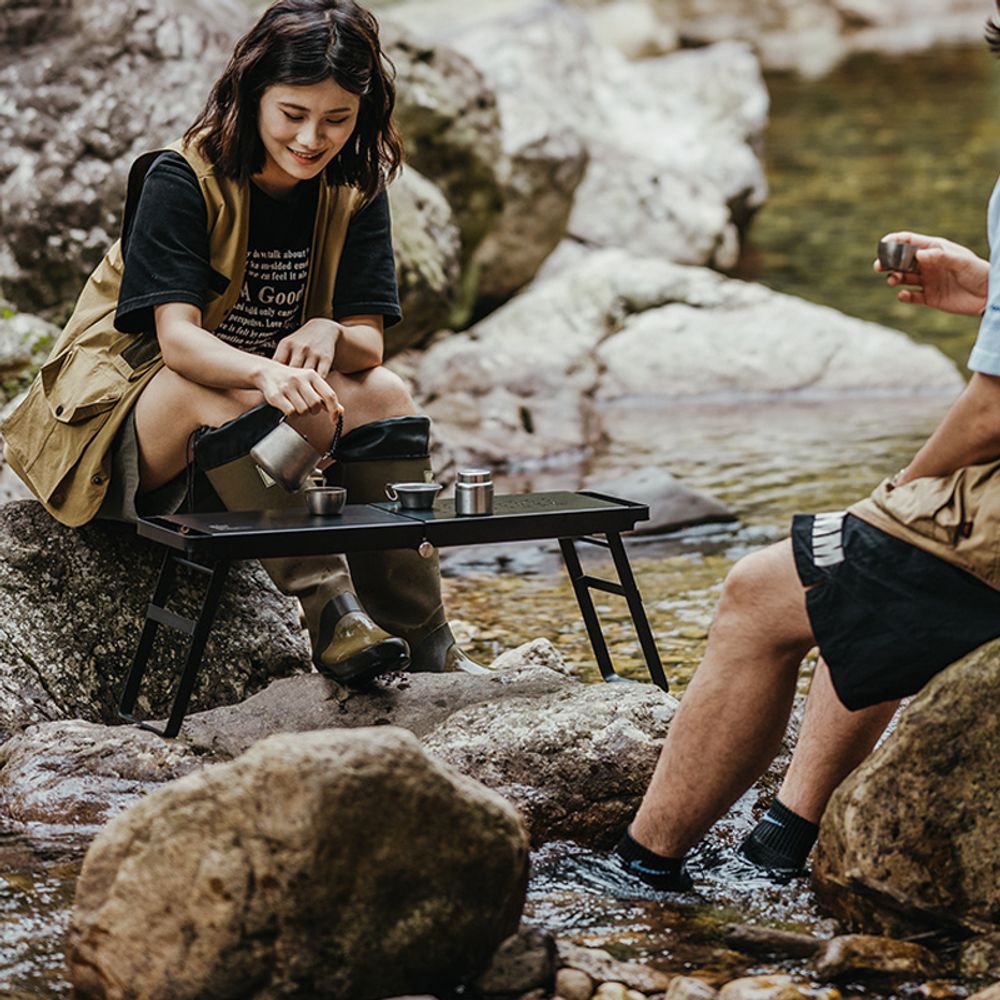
[949, 276]
[296, 390]
[312, 346]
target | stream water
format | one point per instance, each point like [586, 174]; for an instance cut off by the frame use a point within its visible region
[879, 144]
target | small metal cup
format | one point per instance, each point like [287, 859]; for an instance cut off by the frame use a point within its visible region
[413, 496]
[895, 256]
[326, 501]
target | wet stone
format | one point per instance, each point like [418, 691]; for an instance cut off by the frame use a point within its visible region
[990, 993]
[774, 988]
[524, 961]
[981, 956]
[603, 968]
[852, 955]
[574, 984]
[689, 988]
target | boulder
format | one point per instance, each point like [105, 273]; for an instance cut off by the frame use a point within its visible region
[72, 602]
[672, 170]
[448, 117]
[574, 757]
[912, 837]
[87, 87]
[78, 775]
[812, 36]
[534, 381]
[427, 244]
[672, 505]
[328, 864]
[25, 341]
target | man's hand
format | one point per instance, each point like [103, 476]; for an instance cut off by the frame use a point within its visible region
[296, 390]
[311, 346]
[949, 276]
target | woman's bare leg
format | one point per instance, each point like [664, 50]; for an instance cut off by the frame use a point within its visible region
[172, 407]
[735, 711]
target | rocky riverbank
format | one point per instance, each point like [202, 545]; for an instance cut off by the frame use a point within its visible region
[559, 264]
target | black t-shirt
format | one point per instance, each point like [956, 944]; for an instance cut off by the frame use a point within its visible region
[166, 254]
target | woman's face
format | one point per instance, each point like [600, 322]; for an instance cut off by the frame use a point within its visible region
[302, 129]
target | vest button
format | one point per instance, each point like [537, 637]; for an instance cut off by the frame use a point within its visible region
[59, 410]
[97, 480]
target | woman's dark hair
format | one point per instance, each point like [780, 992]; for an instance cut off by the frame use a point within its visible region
[299, 43]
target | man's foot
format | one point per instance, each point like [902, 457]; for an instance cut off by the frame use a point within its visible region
[780, 842]
[658, 872]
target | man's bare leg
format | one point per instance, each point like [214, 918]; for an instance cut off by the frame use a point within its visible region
[833, 741]
[735, 711]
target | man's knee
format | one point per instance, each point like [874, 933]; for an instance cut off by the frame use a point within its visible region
[763, 591]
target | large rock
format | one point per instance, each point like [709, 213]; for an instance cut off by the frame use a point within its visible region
[913, 835]
[811, 36]
[428, 248]
[534, 379]
[327, 864]
[670, 142]
[449, 121]
[72, 602]
[87, 86]
[78, 775]
[575, 758]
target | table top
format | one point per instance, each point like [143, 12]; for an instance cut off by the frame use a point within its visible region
[515, 517]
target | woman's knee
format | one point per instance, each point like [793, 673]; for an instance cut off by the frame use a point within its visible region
[376, 393]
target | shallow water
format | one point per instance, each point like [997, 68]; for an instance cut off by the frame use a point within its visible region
[879, 144]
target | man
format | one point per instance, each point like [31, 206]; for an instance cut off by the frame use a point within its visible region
[891, 591]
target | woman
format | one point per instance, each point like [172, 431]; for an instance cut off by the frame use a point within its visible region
[253, 281]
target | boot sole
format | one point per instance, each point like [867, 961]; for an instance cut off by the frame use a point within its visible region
[382, 658]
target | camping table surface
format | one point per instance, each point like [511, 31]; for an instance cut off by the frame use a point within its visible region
[208, 543]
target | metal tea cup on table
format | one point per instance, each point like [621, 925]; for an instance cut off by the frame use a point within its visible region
[413, 496]
[326, 501]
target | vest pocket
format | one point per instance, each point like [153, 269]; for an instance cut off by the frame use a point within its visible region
[82, 383]
[936, 507]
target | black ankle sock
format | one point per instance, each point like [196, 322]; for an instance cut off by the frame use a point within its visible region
[781, 840]
[665, 874]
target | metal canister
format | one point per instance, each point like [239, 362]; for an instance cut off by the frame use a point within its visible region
[474, 492]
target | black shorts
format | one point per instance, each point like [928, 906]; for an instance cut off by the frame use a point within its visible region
[886, 616]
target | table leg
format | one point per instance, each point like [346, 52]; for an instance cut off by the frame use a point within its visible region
[198, 629]
[581, 587]
[646, 641]
[627, 588]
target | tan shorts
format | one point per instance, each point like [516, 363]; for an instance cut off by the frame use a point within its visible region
[122, 502]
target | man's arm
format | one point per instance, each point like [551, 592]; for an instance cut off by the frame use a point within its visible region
[968, 434]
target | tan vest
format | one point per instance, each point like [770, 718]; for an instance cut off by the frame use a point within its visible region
[956, 517]
[59, 438]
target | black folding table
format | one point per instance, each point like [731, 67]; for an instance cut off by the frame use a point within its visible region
[209, 543]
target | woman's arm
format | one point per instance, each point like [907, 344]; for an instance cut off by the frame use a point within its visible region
[200, 356]
[968, 434]
[352, 345]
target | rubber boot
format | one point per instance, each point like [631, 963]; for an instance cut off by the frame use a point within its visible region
[347, 645]
[399, 588]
